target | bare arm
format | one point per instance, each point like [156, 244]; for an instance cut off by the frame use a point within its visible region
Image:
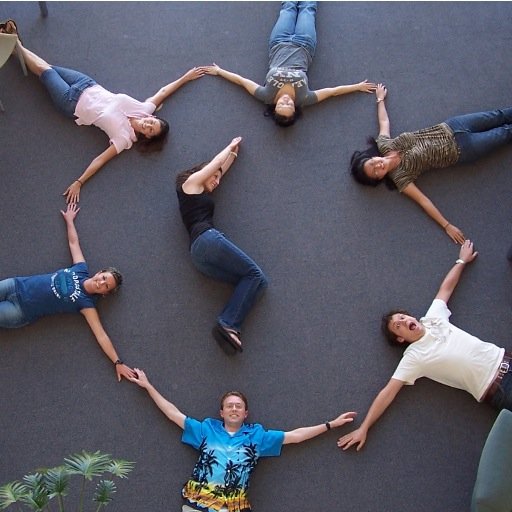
[223, 160]
[72, 193]
[247, 84]
[414, 193]
[73, 241]
[163, 93]
[329, 92]
[304, 433]
[382, 114]
[450, 282]
[380, 404]
[93, 319]
[168, 408]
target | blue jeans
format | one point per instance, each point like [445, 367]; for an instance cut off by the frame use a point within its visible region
[296, 24]
[502, 399]
[214, 255]
[11, 314]
[65, 87]
[479, 134]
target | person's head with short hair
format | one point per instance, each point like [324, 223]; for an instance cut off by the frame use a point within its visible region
[399, 326]
[234, 409]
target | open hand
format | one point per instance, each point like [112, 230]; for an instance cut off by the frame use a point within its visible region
[466, 252]
[139, 377]
[455, 233]
[124, 371]
[71, 212]
[366, 86]
[356, 437]
[72, 193]
[381, 92]
[194, 73]
[212, 70]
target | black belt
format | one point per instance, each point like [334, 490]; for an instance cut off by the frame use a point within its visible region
[504, 368]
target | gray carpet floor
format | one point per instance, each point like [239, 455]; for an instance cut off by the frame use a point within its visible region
[338, 255]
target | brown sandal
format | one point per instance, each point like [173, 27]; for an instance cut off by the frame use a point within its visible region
[9, 27]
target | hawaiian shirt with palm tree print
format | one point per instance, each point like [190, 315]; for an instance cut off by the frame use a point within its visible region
[221, 475]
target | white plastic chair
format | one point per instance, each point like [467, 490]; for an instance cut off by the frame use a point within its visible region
[9, 42]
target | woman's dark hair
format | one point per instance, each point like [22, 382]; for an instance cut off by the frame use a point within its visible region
[357, 166]
[184, 175]
[151, 144]
[282, 120]
[118, 277]
[384, 325]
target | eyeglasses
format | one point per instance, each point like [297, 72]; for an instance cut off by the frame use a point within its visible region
[235, 405]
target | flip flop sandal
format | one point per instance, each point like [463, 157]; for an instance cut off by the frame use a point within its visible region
[225, 340]
[10, 27]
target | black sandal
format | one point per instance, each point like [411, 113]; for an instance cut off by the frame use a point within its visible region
[224, 338]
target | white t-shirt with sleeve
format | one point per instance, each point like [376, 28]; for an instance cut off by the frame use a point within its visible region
[111, 113]
[449, 355]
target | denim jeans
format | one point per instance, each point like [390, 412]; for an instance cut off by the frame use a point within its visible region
[214, 255]
[65, 87]
[479, 134]
[502, 398]
[11, 314]
[296, 24]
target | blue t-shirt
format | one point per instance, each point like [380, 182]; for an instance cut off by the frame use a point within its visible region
[221, 475]
[59, 292]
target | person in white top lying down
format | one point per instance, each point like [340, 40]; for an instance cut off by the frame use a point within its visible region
[439, 350]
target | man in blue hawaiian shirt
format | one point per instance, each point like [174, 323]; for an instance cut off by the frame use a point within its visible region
[229, 449]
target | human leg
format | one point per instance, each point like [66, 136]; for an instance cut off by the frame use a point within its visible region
[65, 87]
[284, 27]
[35, 64]
[11, 315]
[217, 257]
[305, 28]
[481, 133]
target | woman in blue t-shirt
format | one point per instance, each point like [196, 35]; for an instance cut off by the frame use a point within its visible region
[212, 253]
[69, 290]
[292, 47]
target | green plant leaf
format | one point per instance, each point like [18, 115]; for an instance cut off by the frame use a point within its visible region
[87, 464]
[104, 491]
[12, 492]
[56, 481]
[120, 468]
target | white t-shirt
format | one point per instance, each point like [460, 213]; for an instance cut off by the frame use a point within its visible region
[449, 355]
[110, 112]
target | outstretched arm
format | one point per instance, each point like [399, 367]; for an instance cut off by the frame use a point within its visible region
[304, 433]
[329, 92]
[163, 93]
[379, 405]
[222, 161]
[74, 244]
[168, 408]
[93, 319]
[466, 255]
[72, 193]
[382, 114]
[247, 84]
[414, 193]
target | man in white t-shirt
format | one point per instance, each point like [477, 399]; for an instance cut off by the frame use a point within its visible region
[442, 352]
